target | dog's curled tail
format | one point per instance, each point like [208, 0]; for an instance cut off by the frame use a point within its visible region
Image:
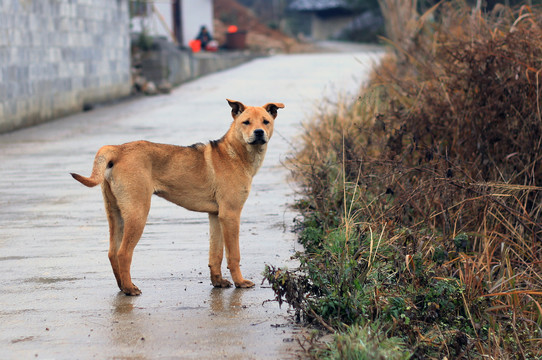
[105, 158]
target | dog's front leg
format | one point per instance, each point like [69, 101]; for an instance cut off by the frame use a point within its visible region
[216, 252]
[229, 223]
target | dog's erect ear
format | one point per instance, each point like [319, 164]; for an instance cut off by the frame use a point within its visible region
[272, 108]
[236, 107]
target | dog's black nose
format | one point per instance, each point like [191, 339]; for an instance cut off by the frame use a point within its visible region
[259, 133]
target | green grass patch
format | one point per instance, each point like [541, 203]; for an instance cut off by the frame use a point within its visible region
[422, 202]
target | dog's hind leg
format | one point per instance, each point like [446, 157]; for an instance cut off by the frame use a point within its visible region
[116, 229]
[134, 223]
[134, 204]
[216, 252]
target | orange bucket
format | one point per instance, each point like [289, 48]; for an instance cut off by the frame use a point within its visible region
[195, 45]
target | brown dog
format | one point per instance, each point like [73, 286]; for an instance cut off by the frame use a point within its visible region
[214, 178]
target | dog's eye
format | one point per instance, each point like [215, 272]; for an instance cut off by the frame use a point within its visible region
[265, 122]
[246, 122]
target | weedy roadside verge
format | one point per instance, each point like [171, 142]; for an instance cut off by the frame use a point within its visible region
[422, 201]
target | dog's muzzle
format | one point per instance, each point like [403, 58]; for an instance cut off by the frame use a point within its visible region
[258, 137]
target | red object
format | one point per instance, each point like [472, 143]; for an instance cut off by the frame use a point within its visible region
[232, 29]
[195, 45]
[212, 46]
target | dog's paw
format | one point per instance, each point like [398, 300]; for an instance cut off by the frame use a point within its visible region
[132, 291]
[222, 283]
[244, 284]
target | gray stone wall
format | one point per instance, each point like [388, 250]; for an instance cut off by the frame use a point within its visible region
[56, 56]
[165, 62]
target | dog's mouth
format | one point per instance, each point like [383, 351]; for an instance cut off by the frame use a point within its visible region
[258, 137]
[258, 141]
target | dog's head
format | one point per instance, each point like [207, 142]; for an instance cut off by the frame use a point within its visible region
[254, 123]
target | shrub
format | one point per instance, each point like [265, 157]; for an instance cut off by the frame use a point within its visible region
[439, 163]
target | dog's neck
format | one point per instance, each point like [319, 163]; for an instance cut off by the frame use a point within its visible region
[251, 155]
[256, 154]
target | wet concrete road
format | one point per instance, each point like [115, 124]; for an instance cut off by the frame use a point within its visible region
[58, 296]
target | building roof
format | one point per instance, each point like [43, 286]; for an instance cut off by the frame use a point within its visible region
[318, 5]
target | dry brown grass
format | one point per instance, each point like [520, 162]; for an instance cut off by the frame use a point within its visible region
[445, 145]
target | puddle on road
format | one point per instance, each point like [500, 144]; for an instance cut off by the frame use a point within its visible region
[52, 280]
[222, 304]
[122, 307]
[7, 258]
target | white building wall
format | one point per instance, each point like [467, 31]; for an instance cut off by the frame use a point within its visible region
[152, 23]
[196, 13]
[164, 9]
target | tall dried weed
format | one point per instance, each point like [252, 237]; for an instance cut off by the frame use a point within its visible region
[442, 155]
